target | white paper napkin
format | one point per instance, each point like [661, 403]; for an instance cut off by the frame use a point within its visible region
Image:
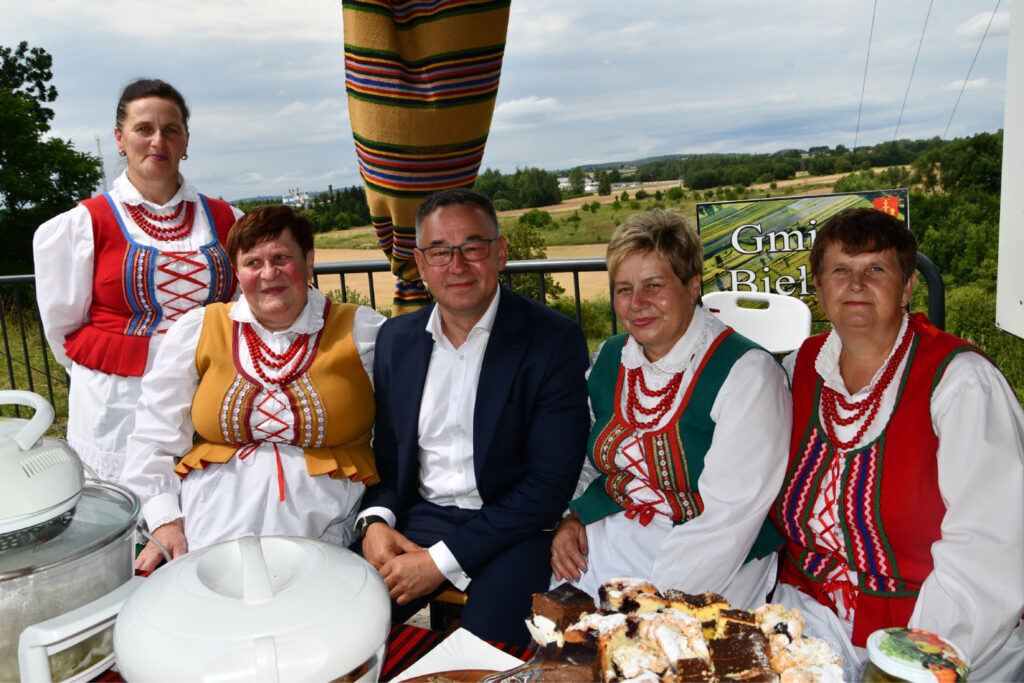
[460, 650]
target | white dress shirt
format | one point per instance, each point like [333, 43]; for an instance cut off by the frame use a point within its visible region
[445, 431]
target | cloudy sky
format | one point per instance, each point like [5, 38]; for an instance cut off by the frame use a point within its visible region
[582, 82]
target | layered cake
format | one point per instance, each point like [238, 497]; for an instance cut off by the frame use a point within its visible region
[704, 606]
[732, 622]
[741, 657]
[808, 660]
[557, 610]
[630, 596]
[639, 634]
[780, 625]
[571, 662]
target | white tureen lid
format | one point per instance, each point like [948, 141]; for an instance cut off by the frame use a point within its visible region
[256, 608]
[40, 477]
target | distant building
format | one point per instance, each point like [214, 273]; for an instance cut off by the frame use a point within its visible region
[295, 199]
[589, 184]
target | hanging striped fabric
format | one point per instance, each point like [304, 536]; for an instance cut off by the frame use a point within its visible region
[421, 78]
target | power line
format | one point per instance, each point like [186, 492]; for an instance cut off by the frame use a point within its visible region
[964, 86]
[912, 69]
[864, 81]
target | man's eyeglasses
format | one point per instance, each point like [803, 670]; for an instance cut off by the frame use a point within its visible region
[473, 250]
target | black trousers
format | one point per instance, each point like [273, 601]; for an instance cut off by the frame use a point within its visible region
[499, 597]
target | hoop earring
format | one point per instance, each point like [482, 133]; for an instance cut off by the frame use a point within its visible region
[122, 153]
[184, 156]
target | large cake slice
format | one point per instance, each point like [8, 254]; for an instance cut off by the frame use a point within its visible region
[705, 607]
[741, 657]
[629, 596]
[557, 610]
[572, 663]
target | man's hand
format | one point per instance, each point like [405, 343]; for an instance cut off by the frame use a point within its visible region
[382, 543]
[172, 536]
[569, 550]
[411, 575]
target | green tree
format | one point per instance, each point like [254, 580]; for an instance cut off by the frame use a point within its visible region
[604, 184]
[536, 187]
[577, 180]
[39, 177]
[526, 241]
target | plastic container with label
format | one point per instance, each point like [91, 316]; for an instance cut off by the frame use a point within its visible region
[909, 654]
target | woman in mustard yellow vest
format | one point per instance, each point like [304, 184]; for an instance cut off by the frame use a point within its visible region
[267, 402]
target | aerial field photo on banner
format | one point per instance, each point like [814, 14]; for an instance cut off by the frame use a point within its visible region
[763, 245]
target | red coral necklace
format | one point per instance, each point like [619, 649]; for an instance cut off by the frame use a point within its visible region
[635, 380]
[264, 357]
[143, 218]
[868, 405]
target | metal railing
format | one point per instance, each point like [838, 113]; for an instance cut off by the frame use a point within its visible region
[30, 367]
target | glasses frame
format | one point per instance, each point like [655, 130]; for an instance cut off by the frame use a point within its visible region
[451, 251]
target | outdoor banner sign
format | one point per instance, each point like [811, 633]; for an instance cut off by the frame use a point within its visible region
[764, 245]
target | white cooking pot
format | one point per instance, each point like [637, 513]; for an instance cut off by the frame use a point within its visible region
[62, 545]
[273, 608]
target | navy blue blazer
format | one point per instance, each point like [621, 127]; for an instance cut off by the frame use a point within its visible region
[530, 423]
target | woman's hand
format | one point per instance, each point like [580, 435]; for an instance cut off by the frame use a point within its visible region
[172, 536]
[569, 550]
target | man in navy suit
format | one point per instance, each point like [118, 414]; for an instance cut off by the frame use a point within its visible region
[480, 431]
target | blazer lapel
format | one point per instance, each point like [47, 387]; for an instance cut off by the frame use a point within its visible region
[502, 358]
[409, 374]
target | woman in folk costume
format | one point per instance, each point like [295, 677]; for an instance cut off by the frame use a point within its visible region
[688, 445]
[421, 80]
[267, 401]
[903, 504]
[114, 272]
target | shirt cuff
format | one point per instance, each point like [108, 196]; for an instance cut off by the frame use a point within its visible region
[388, 515]
[448, 565]
[161, 509]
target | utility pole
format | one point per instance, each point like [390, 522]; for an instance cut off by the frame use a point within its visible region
[103, 167]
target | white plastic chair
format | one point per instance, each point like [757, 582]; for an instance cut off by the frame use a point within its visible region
[780, 327]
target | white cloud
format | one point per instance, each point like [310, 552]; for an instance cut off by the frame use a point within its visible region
[973, 84]
[524, 112]
[974, 28]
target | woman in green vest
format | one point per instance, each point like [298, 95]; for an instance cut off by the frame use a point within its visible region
[688, 446]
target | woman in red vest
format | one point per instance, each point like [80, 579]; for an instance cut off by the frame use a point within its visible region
[115, 271]
[903, 503]
[256, 416]
[687, 450]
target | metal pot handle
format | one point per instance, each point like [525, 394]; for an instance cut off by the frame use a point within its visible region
[39, 641]
[40, 422]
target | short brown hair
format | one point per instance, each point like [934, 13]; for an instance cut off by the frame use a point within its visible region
[864, 230]
[667, 233]
[267, 223]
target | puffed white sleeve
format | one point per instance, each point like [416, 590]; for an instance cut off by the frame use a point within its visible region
[743, 471]
[365, 326]
[163, 422]
[975, 593]
[62, 249]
